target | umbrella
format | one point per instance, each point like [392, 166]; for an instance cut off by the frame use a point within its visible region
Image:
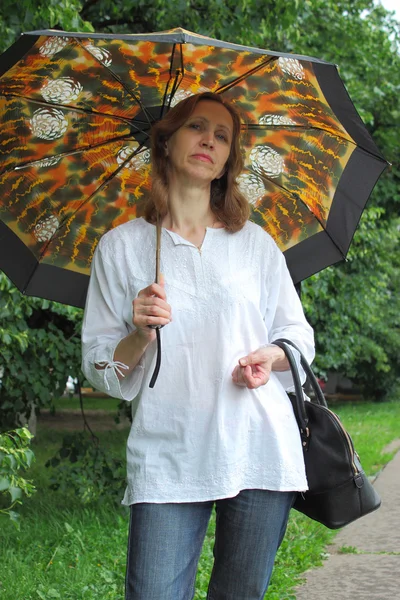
[76, 111]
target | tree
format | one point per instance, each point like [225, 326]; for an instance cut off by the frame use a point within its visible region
[39, 348]
[353, 306]
[355, 309]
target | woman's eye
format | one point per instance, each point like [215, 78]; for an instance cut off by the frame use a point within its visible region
[194, 125]
[222, 137]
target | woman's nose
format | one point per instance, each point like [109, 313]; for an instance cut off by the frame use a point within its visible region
[208, 140]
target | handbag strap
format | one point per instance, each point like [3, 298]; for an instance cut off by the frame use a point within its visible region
[298, 398]
[319, 394]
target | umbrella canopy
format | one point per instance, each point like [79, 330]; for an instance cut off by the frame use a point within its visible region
[75, 116]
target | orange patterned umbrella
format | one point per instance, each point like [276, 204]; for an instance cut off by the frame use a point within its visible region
[76, 111]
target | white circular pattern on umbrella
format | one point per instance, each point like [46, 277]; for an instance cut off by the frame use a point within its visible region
[178, 96]
[103, 55]
[266, 161]
[292, 67]
[45, 229]
[251, 186]
[62, 91]
[182, 94]
[275, 120]
[137, 161]
[53, 45]
[48, 123]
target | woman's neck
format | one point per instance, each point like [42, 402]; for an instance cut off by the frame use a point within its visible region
[189, 209]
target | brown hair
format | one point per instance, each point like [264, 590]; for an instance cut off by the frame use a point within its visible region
[228, 204]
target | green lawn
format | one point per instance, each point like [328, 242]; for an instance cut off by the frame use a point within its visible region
[68, 551]
[89, 403]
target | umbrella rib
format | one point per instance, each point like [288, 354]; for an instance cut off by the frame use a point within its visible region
[73, 152]
[120, 81]
[340, 136]
[179, 73]
[234, 82]
[297, 197]
[258, 127]
[74, 108]
[99, 189]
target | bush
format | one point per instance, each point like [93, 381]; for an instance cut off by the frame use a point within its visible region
[82, 466]
[39, 348]
[355, 310]
[15, 455]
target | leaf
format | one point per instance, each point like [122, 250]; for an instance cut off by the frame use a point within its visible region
[6, 338]
[15, 493]
[29, 457]
[5, 483]
[14, 516]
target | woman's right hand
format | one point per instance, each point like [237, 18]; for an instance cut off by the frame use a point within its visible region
[151, 308]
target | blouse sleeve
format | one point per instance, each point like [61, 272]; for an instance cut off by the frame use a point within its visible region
[285, 317]
[102, 329]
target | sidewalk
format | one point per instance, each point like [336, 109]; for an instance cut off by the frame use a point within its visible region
[371, 569]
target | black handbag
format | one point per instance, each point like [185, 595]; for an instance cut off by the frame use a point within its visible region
[339, 491]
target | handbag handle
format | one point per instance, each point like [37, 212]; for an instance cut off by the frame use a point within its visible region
[298, 404]
[319, 394]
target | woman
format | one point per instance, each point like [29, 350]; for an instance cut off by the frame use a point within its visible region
[218, 428]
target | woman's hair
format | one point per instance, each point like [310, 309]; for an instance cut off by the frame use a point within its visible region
[228, 204]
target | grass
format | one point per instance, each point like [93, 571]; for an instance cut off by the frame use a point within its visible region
[68, 551]
[372, 428]
[89, 403]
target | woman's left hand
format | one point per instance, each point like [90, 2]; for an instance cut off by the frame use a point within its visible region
[254, 370]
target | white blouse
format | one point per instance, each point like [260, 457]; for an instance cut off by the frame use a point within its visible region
[197, 436]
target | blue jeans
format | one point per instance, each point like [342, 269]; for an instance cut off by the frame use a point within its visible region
[165, 542]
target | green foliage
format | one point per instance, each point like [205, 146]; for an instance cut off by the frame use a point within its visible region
[358, 329]
[15, 455]
[262, 23]
[372, 428]
[64, 553]
[40, 347]
[98, 403]
[29, 15]
[90, 471]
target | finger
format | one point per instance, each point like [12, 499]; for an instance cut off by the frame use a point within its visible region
[144, 321]
[143, 303]
[155, 289]
[142, 312]
[237, 377]
[251, 359]
[255, 376]
[249, 377]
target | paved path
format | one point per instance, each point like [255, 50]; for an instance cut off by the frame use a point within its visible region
[371, 569]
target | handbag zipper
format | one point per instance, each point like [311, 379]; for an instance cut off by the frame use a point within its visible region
[349, 442]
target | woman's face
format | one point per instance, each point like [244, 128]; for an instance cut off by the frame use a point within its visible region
[201, 147]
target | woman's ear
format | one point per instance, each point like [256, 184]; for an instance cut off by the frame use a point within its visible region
[166, 148]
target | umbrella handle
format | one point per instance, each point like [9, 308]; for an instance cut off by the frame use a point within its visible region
[157, 327]
[158, 248]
